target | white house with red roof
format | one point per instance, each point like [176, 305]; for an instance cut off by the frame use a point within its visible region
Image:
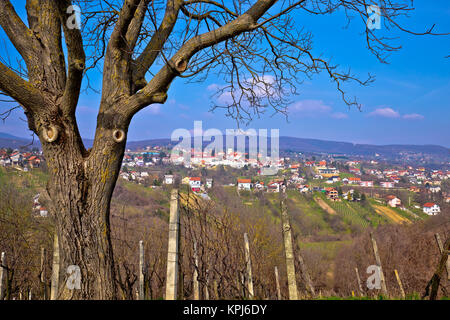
[431, 208]
[366, 183]
[387, 184]
[195, 182]
[393, 201]
[244, 184]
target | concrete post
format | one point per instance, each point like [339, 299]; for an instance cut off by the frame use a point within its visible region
[277, 281]
[141, 270]
[172, 252]
[287, 237]
[249, 267]
[377, 257]
[195, 276]
[3, 272]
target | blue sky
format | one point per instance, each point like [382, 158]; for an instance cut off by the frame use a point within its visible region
[408, 103]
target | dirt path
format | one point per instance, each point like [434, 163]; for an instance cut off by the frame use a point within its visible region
[324, 205]
[391, 214]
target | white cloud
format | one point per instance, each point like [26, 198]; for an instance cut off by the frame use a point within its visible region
[391, 113]
[413, 116]
[309, 108]
[339, 115]
[385, 113]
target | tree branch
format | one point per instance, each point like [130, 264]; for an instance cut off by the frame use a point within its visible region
[18, 33]
[76, 60]
[20, 90]
[153, 48]
[156, 90]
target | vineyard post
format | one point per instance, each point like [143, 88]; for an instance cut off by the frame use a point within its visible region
[3, 271]
[277, 281]
[377, 257]
[141, 270]
[361, 292]
[195, 277]
[287, 237]
[173, 246]
[402, 291]
[249, 267]
[441, 250]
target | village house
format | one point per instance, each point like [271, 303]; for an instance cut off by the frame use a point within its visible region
[332, 194]
[366, 183]
[195, 182]
[434, 189]
[303, 188]
[387, 184]
[274, 186]
[355, 171]
[244, 184]
[431, 209]
[259, 185]
[168, 179]
[354, 180]
[393, 201]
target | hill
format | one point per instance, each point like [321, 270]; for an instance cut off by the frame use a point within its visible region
[291, 144]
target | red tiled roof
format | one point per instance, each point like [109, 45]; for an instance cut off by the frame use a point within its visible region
[429, 205]
[244, 180]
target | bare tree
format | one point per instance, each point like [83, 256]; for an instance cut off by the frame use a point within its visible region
[142, 46]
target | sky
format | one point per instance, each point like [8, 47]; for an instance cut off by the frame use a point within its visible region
[407, 104]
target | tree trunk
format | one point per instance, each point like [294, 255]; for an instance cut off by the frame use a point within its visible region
[80, 187]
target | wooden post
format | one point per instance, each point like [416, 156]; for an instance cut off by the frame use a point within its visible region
[306, 276]
[377, 257]
[3, 272]
[277, 282]
[195, 276]
[287, 237]
[172, 252]
[361, 292]
[249, 267]
[55, 269]
[42, 278]
[141, 270]
[436, 279]
[402, 292]
[441, 250]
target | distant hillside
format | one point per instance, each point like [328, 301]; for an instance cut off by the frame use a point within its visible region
[9, 141]
[323, 146]
[286, 144]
